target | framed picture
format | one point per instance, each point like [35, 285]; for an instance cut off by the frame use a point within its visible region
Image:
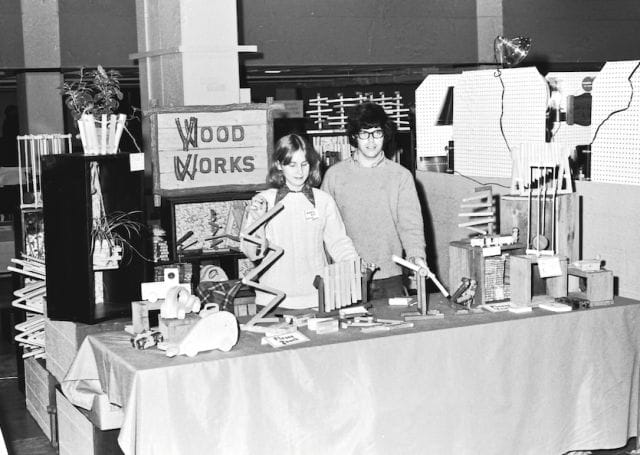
[204, 225]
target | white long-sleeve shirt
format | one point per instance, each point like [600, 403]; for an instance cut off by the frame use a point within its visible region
[303, 231]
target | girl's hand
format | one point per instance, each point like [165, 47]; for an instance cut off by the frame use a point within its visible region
[258, 206]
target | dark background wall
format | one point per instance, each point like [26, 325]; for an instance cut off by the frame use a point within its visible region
[292, 32]
[575, 31]
[329, 32]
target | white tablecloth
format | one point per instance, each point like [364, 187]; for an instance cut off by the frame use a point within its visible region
[542, 383]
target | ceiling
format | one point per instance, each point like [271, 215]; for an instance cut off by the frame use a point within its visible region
[310, 75]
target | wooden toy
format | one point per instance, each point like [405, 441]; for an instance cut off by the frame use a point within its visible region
[178, 302]
[422, 273]
[522, 284]
[482, 220]
[140, 314]
[594, 285]
[153, 291]
[343, 284]
[215, 331]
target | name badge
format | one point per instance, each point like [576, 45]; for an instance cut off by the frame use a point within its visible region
[311, 215]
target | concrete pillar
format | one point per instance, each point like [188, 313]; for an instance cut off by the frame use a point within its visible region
[39, 102]
[490, 25]
[40, 105]
[188, 53]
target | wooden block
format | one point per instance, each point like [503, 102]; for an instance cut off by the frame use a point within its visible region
[173, 330]
[466, 261]
[520, 274]
[595, 286]
[521, 280]
[140, 314]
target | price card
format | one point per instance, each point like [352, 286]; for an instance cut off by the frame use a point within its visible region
[287, 339]
[549, 266]
[136, 162]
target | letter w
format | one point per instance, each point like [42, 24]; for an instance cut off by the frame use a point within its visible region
[191, 136]
[182, 169]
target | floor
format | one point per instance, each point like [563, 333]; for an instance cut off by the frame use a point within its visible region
[22, 434]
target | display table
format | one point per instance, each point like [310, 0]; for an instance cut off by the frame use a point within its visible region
[492, 383]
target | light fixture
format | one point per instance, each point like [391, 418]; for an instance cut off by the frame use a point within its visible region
[510, 51]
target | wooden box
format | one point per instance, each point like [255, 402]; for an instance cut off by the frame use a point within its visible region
[63, 339]
[596, 286]
[39, 394]
[468, 261]
[78, 436]
[514, 212]
[522, 280]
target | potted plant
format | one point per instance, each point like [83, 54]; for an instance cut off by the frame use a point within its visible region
[93, 100]
[110, 235]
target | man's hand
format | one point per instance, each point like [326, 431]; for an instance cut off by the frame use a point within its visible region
[420, 262]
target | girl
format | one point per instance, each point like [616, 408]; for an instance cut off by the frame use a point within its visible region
[308, 225]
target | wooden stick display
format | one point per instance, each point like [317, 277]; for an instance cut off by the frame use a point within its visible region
[343, 284]
[31, 298]
[547, 179]
[273, 254]
[30, 149]
[483, 220]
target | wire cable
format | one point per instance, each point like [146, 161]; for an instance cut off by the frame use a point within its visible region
[611, 114]
[479, 182]
[498, 74]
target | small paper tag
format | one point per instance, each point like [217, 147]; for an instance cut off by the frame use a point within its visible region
[136, 162]
[278, 341]
[311, 214]
[549, 266]
[488, 251]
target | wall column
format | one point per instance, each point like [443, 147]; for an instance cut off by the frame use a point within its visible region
[188, 53]
[39, 101]
[490, 25]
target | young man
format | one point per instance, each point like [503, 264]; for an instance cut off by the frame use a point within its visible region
[378, 201]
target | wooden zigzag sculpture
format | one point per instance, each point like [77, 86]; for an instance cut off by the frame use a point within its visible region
[273, 254]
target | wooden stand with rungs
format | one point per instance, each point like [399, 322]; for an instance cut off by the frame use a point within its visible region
[522, 280]
[596, 286]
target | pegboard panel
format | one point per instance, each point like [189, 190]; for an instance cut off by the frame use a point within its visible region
[480, 148]
[431, 96]
[615, 149]
[570, 84]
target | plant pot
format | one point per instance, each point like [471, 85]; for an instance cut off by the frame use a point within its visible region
[101, 136]
[106, 255]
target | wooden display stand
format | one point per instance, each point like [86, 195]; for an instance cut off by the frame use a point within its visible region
[597, 286]
[468, 261]
[522, 280]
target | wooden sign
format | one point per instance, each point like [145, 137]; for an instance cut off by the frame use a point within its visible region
[197, 149]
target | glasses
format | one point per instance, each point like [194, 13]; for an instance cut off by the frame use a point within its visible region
[364, 135]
